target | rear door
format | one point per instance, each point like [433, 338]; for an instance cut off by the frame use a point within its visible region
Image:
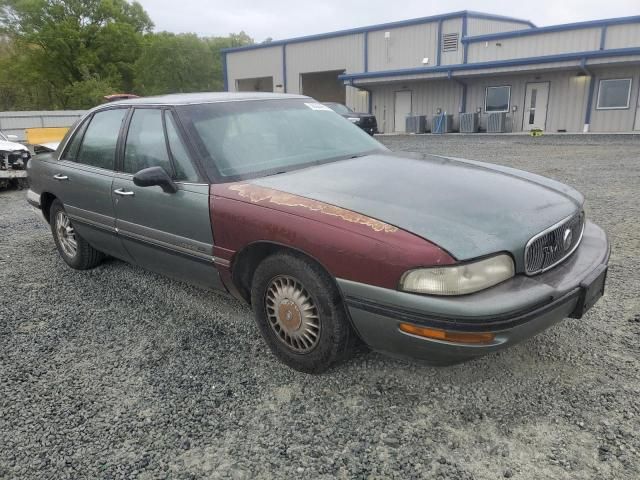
[166, 232]
[83, 179]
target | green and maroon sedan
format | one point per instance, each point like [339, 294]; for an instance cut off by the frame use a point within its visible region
[330, 237]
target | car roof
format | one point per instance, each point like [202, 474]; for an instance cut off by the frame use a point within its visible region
[205, 97]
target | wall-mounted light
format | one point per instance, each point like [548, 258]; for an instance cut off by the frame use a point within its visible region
[387, 35]
[514, 108]
[438, 111]
[479, 110]
[425, 61]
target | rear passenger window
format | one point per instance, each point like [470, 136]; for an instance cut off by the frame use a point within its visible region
[71, 152]
[98, 147]
[146, 146]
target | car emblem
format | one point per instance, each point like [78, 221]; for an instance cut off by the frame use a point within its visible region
[567, 239]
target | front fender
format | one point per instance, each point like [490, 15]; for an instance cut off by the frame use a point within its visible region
[349, 245]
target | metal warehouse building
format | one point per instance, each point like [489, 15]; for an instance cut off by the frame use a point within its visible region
[462, 71]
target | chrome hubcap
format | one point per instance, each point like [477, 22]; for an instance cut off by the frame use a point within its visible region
[292, 314]
[66, 235]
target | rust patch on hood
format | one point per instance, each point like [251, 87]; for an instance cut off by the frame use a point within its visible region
[257, 194]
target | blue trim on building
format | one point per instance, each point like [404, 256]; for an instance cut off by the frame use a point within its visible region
[439, 43]
[603, 37]
[465, 53]
[225, 74]
[490, 16]
[381, 26]
[366, 51]
[284, 68]
[618, 52]
[551, 29]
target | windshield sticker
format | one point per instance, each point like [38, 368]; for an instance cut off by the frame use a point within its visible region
[318, 106]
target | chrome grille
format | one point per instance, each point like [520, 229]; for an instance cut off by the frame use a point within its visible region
[552, 246]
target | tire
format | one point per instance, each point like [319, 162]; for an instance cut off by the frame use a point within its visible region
[287, 287]
[85, 256]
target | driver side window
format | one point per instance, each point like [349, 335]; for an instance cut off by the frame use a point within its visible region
[146, 146]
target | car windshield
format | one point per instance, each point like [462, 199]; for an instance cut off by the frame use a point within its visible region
[339, 108]
[248, 139]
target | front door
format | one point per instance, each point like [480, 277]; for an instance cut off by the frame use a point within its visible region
[402, 110]
[535, 102]
[166, 232]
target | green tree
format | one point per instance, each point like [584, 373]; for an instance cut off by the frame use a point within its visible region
[70, 53]
[80, 48]
[170, 63]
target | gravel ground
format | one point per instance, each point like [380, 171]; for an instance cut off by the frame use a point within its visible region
[120, 373]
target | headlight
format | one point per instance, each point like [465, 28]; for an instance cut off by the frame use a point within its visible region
[353, 119]
[459, 279]
[25, 154]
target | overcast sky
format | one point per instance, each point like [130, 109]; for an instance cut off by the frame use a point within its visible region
[290, 18]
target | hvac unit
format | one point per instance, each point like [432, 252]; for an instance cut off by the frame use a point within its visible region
[442, 123]
[416, 124]
[497, 122]
[469, 122]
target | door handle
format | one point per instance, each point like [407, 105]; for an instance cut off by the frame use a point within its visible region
[57, 176]
[124, 193]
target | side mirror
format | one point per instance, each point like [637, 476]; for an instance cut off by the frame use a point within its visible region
[152, 176]
[12, 138]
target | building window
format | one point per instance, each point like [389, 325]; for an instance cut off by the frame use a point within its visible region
[497, 99]
[450, 42]
[614, 94]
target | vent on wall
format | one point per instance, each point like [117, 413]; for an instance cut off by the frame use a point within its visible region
[450, 42]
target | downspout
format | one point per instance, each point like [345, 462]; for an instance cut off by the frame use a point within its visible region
[284, 68]
[369, 98]
[592, 89]
[603, 37]
[225, 76]
[463, 100]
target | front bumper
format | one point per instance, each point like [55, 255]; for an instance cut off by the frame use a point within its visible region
[514, 310]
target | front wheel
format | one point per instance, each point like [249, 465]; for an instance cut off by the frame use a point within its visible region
[73, 249]
[300, 313]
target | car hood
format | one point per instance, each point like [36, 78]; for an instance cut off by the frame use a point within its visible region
[468, 208]
[7, 146]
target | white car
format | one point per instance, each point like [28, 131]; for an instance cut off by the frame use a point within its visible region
[13, 155]
[13, 162]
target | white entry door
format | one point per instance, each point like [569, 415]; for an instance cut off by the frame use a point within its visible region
[535, 106]
[402, 109]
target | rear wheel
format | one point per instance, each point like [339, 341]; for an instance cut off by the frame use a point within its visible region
[73, 249]
[300, 313]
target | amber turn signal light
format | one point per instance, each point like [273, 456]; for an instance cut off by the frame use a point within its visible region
[446, 336]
